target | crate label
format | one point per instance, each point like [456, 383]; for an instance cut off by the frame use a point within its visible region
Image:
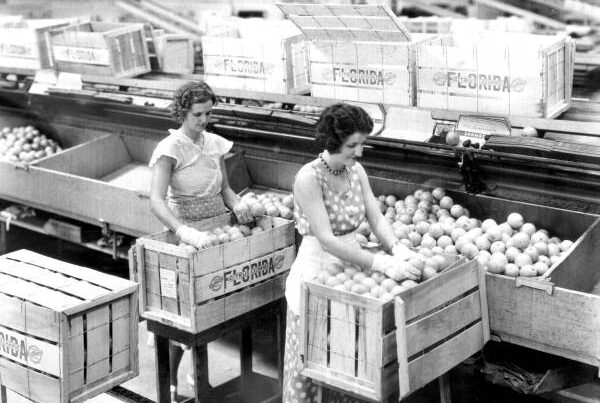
[242, 67]
[168, 283]
[365, 77]
[81, 55]
[480, 82]
[245, 274]
[28, 351]
[21, 50]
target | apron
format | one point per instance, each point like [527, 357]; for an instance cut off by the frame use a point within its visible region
[190, 208]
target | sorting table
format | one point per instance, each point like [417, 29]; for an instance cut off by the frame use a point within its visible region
[248, 384]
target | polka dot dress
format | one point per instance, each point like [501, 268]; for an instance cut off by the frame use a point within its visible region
[346, 210]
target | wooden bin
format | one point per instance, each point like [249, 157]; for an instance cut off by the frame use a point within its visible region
[497, 73]
[349, 342]
[358, 53]
[101, 49]
[25, 44]
[556, 313]
[195, 291]
[67, 333]
[269, 63]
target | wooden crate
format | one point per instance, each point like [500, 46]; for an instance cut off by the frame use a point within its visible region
[369, 348]
[556, 313]
[25, 44]
[268, 63]
[101, 49]
[497, 74]
[67, 333]
[175, 53]
[195, 291]
[358, 53]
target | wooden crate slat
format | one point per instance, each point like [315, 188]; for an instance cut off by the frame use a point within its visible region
[98, 348]
[255, 296]
[235, 277]
[79, 272]
[97, 371]
[29, 352]
[316, 317]
[429, 295]
[30, 318]
[342, 337]
[31, 384]
[37, 294]
[120, 331]
[373, 336]
[445, 357]
[435, 327]
[575, 315]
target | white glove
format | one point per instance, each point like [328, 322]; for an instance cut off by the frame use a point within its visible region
[402, 252]
[193, 237]
[394, 268]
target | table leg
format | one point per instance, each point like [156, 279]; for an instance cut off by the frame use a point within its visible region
[163, 383]
[444, 382]
[281, 319]
[3, 238]
[245, 358]
[200, 367]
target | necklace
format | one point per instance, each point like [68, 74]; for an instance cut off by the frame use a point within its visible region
[335, 172]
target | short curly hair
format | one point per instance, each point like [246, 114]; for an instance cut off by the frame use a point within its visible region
[188, 94]
[340, 121]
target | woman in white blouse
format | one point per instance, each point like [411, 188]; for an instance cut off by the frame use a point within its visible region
[189, 181]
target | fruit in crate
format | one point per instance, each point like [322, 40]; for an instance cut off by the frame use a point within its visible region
[382, 286]
[225, 234]
[431, 220]
[25, 144]
[269, 203]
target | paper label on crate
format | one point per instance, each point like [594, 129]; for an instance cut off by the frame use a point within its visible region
[81, 55]
[468, 80]
[28, 351]
[168, 283]
[364, 77]
[239, 67]
[16, 49]
[243, 275]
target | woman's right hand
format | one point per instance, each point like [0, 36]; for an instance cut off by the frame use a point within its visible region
[193, 237]
[395, 268]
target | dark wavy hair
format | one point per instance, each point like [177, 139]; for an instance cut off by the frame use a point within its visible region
[340, 121]
[187, 95]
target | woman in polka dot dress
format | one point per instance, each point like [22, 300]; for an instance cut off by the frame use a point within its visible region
[332, 197]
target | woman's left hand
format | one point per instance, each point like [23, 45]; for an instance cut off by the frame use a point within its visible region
[243, 213]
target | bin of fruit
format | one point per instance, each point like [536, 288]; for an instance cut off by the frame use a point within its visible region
[243, 268]
[26, 144]
[540, 261]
